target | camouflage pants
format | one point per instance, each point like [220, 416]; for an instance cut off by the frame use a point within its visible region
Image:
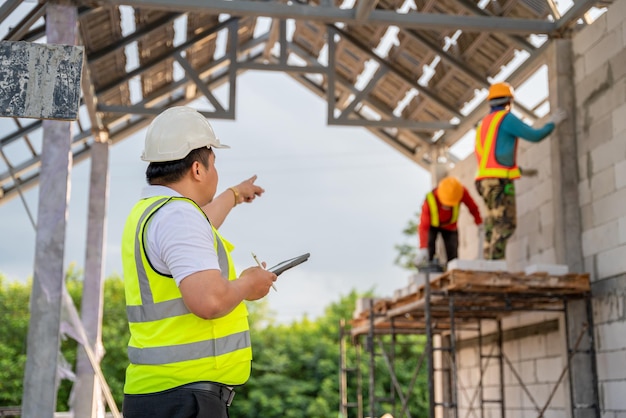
[501, 219]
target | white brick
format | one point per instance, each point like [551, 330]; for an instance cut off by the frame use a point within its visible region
[611, 336]
[544, 257]
[611, 262]
[619, 120]
[603, 183]
[620, 172]
[608, 154]
[608, 308]
[546, 213]
[613, 393]
[604, 50]
[615, 14]
[601, 238]
[621, 230]
[555, 269]
[533, 347]
[555, 343]
[549, 369]
[606, 102]
[611, 365]
[609, 208]
[591, 34]
[555, 413]
[478, 265]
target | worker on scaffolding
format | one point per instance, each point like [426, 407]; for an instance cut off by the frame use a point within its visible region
[440, 213]
[189, 335]
[496, 148]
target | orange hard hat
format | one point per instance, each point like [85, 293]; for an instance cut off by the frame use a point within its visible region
[498, 90]
[450, 191]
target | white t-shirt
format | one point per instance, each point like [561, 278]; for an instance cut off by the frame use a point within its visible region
[180, 240]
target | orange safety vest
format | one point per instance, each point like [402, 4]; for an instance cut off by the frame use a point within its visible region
[434, 211]
[485, 150]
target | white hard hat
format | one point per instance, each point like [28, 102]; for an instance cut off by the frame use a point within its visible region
[176, 132]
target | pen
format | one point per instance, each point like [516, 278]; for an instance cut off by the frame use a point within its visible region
[259, 264]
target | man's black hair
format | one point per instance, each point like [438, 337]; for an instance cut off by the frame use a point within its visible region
[166, 172]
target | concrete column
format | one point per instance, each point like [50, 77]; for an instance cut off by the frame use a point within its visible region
[565, 178]
[567, 220]
[40, 379]
[87, 390]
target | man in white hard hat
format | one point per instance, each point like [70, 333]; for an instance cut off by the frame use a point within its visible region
[190, 339]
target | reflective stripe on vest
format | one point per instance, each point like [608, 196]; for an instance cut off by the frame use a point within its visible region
[150, 311]
[192, 351]
[485, 149]
[434, 211]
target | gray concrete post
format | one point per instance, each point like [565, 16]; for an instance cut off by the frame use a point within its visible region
[567, 220]
[87, 390]
[40, 379]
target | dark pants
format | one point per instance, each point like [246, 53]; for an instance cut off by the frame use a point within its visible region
[181, 402]
[501, 219]
[450, 240]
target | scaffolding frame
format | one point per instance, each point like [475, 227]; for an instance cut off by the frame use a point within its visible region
[448, 305]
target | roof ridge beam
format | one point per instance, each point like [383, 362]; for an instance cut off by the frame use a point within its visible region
[424, 21]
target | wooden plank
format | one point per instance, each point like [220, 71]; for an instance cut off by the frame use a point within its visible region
[40, 81]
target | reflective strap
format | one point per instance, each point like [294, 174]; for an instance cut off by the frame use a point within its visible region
[149, 311]
[455, 214]
[434, 211]
[222, 256]
[191, 351]
[489, 138]
[144, 285]
[156, 311]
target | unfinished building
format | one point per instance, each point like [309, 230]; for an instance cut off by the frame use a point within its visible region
[413, 73]
[519, 342]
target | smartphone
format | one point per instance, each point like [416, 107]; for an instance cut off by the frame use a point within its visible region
[287, 264]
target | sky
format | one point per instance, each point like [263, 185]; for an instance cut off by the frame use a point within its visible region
[339, 193]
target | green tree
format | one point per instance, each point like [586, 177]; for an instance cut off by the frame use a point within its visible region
[295, 370]
[408, 249]
[14, 312]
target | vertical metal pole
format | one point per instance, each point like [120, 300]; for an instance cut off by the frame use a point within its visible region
[359, 384]
[572, 396]
[372, 349]
[501, 366]
[429, 348]
[40, 377]
[87, 390]
[592, 357]
[453, 379]
[481, 371]
[392, 359]
[343, 370]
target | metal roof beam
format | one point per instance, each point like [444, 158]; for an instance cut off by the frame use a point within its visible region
[423, 21]
[472, 8]
[364, 8]
[7, 8]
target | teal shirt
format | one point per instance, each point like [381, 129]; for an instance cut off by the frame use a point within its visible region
[510, 130]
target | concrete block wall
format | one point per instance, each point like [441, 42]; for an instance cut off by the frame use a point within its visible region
[600, 81]
[599, 53]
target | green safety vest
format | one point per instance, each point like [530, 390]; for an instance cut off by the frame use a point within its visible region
[170, 346]
[434, 211]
